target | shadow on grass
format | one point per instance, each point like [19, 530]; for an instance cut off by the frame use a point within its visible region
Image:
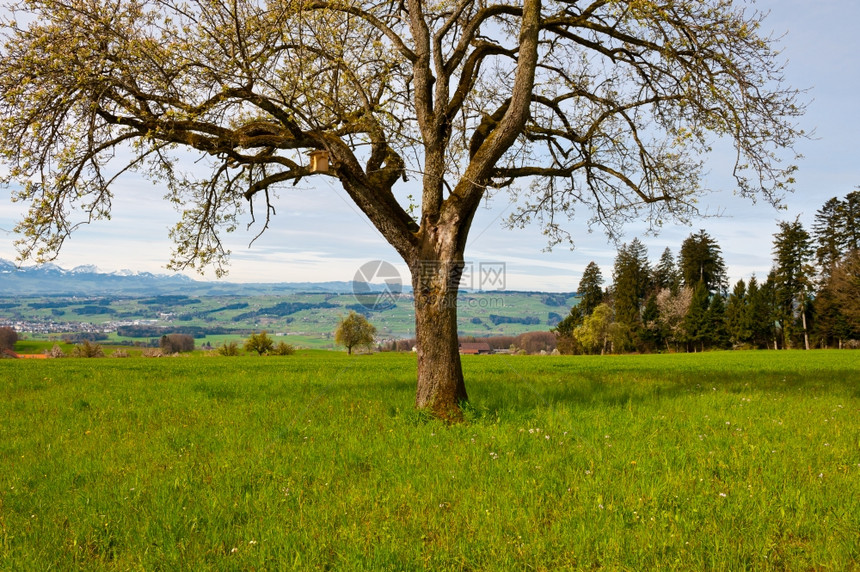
[524, 392]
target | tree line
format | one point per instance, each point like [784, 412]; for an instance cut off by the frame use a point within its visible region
[809, 298]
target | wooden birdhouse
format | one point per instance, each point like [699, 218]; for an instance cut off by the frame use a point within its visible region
[319, 161]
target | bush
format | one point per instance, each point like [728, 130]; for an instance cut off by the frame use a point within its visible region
[119, 354]
[229, 349]
[8, 338]
[152, 352]
[55, 352]
[176, 343]
[88, 350]
[283, 349]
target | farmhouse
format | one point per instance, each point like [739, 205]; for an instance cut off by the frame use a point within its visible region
[475, 348]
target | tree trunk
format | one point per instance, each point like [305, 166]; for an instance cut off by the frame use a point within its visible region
[805, 332]
[441, 388]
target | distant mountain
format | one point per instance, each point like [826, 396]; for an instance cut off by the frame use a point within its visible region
[50, 280]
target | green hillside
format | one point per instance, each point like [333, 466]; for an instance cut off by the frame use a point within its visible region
[311, 315]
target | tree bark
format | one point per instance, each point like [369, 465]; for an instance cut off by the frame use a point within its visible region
[441, 388]
[805, 332]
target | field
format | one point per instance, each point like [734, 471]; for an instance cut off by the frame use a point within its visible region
[309, 319]
[721, 461]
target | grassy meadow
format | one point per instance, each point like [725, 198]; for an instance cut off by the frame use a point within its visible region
[719, 461]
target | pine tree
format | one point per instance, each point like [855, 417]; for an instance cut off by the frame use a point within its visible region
[760, 312]
[631, 277]
[696, 320]
[590, 289]
[793, 252]
[738, 324]
[701, 260]
[846, 289]
[590, 293]
[832, 326]
[828, 232]
[716, 334]
[650, 336]
[666, 272]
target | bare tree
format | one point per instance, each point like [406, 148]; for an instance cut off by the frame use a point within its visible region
[602, 104]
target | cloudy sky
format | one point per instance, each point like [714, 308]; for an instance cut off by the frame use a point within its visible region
[318, 235]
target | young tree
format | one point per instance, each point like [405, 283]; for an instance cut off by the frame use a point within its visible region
[595, 332]
[673, 307]
[354, 331]
[260, 343]
[603, 105]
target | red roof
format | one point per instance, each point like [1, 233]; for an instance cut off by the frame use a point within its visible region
[475, 348]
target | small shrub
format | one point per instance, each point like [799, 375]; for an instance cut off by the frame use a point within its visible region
[119, 354]
[55, 352]
[283, 349]
[229, 349]
[88, 350]
[152, 352]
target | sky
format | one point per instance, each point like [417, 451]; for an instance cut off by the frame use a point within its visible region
[319, 235]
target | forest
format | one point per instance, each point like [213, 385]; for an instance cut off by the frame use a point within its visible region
[809, 298]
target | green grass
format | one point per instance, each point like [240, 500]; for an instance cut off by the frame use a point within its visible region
[723, 461]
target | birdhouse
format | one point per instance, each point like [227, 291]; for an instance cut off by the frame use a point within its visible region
[319, 161]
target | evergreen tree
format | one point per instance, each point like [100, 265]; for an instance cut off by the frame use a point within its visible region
[631, 278]
[590, 293]
[760, 313]
[828, 233]
[701, 260]
[766, 313]
[716, 334]
[696, 321]
[832, 326]
[650, 336]
[836, 230]
[590, 289]
[666, 272]
[846, 289]
[793, 252]
[851, 221]
[738, 326]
